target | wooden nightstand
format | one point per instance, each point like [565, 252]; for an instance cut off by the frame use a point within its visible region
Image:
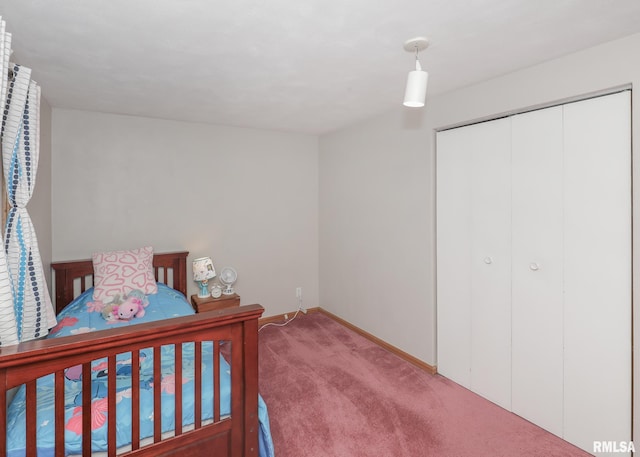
[202, 305]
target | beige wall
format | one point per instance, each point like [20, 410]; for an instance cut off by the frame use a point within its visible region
[248, 198]
[39, 206]
[375, 217]
[377, 194]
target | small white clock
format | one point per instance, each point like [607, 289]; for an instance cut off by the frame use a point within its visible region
[216, 291]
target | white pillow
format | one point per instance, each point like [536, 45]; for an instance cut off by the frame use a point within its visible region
[120, 272]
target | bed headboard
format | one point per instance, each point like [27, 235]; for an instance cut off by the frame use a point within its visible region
[75, 276]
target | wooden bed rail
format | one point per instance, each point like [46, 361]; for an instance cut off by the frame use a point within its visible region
[26, 362]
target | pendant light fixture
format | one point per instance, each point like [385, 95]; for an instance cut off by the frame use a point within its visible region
[416, 89]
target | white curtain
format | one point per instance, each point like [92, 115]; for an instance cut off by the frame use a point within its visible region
[33, 311]
[8, 322]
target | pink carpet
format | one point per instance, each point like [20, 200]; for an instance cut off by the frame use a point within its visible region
[331, 392]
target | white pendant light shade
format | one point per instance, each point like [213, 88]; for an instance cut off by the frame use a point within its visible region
[416, 90]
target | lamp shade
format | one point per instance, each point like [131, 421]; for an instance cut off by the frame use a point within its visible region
[416, 90]
[203, 269]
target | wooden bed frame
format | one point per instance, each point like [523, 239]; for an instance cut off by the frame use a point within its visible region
[233, 436]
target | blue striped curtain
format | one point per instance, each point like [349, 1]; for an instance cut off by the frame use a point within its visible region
[33, 311]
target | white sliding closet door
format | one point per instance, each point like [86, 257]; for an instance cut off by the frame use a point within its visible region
[537, 267]
[534, 265]
[454, 255]
[597, 279]
[491, 262]
[474, 261]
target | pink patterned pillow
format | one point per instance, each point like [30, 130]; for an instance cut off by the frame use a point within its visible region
[120, 272]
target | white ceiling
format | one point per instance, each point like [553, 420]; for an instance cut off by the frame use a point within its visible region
[308, 66]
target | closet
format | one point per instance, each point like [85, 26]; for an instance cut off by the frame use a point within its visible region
[534, 265]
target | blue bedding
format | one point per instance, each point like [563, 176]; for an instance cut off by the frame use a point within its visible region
[82, 316]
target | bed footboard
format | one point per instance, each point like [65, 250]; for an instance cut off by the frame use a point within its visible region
[234, 434]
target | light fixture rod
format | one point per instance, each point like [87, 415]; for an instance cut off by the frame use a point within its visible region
[418, 66]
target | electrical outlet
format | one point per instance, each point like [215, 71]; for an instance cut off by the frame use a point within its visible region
[298, 292]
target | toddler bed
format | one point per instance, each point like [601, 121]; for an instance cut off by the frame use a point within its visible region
[162, 377]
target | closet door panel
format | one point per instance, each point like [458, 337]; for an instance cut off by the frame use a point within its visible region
[491, 261]
[597, 322]
[537, 306]
[453, 219]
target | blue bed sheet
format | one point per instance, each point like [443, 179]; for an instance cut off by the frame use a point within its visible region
[82, 316]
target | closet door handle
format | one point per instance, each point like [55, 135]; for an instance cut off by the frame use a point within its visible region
[533, 266]
[488, 260]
